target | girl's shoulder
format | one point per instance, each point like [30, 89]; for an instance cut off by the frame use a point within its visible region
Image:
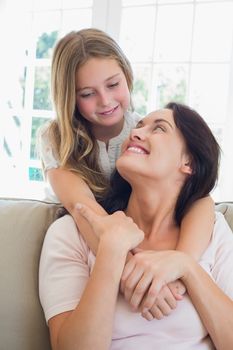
[132, 117]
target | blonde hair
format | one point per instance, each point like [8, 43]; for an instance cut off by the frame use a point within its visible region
[70, 133]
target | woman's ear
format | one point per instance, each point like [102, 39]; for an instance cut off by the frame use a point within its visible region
[186, 166]
[187, 169]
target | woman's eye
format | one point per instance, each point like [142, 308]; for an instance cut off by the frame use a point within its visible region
[139, 125]
[159, 128]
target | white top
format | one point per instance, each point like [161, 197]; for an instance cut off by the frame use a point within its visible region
[107, 157]
[65, 266]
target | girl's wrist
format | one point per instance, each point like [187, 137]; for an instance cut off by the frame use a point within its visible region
[114, 247]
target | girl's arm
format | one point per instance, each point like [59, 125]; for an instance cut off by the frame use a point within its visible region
[195, 234]
[70, 189]
[89, 326]
[197, 227]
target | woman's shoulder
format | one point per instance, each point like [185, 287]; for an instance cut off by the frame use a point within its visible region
[222, 243]
[64, 233]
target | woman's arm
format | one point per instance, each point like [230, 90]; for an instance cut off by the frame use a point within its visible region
[89, 326]
[214, 307]
[197, 227]
[70, 189]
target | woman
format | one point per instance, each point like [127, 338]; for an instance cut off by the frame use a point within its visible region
[170, 160]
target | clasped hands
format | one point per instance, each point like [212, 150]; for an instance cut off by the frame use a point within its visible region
[150, 279]
[145, 288]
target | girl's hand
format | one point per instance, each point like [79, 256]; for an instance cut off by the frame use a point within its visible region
[118, 230]
[165, 302]
[146, 279]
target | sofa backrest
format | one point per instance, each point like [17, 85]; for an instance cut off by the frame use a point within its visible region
[227, 209]
[23, 224]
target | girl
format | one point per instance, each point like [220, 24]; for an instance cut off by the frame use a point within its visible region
[91, 85]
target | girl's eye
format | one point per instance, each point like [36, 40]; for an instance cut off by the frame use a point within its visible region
[87, 94]
[113, 85]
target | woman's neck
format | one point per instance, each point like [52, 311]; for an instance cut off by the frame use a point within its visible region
[154, 214]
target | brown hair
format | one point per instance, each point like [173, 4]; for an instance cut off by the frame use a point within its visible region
[70, 133]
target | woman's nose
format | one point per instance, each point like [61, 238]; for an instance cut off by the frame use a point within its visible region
[137, 134]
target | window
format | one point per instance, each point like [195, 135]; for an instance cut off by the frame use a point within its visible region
[32, 31]
[180, 50]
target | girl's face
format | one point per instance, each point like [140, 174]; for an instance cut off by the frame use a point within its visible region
[102, 93]
[155, 149]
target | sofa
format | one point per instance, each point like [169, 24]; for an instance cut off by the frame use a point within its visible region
[23, 224]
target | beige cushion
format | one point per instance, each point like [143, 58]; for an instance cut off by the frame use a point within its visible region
[23, 224]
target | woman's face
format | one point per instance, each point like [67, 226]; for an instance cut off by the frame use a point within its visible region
[155, 149]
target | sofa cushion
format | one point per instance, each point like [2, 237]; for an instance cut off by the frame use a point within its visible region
[23, 224]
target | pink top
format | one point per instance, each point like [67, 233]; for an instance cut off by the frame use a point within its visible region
[65, 266]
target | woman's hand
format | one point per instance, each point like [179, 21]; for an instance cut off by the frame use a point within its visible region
[116, 229]
[147, 282]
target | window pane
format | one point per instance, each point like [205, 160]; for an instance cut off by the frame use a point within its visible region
[174, 31]
[76, 3]
[45, 44]
[76, 20]
[47, 4]
[213, 42]
[170, 84]
[35, 174]
[137, 2]
[142, 76]
[136, 39]
[42, 89]
[13, 90]
[173, 1]
[12, 138]
[46, 21]
[37, 122]
[209, 88]
[14, 54]
[21, 5]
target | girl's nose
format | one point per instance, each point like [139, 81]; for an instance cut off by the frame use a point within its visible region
[104, 98]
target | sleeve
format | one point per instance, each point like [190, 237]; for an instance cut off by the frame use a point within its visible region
[222, 270]
[64, 268]
[135, 117]
[46, 152]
